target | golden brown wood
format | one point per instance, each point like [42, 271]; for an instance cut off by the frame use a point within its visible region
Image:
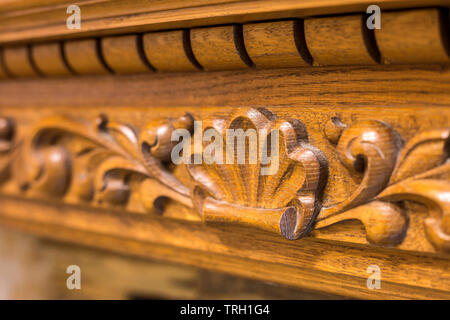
[117, 157]
[321, 266]
[335, 40]
[17, 62]
[338, 40]
[49, 60]
[170, 51]
[381, 87]
[219, 48]
[363, 175]
[2, 67]
[406, 178]
[276, 44]
[341, 40]
[414, 36]
[83, 57]
[121, 17]
[13, 5]
[215, 195]
[107, 275]
[123, 54]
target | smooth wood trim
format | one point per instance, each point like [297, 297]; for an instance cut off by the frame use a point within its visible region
[414, 35]
[49, 59]
[85, 57]
[18, 63]
[338, 40]
[124, 54]
[316, 265]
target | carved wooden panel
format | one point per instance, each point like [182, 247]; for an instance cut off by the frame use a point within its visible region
[329, 170]
[360, 117]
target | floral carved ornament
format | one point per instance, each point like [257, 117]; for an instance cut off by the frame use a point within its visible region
[106, 162]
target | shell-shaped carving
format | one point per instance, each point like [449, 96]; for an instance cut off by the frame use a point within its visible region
[292, 167]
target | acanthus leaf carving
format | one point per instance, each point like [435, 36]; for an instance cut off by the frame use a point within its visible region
[417, 172]
[106, 162]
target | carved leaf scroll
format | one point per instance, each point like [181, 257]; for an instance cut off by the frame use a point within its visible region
[106, 162]
[420, 173]
[100, 161]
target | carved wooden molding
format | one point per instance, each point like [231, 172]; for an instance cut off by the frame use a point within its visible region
[316, 41]
[25, 20]
[105, 163]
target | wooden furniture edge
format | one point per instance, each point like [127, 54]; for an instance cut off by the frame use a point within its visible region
[342, 40]
[343, 276]
[107, 17]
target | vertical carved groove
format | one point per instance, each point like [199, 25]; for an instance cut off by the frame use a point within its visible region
[141, 53]
[444, 19]
[188, 49]
[33, 63]
[3, 66]
[100, 56]
[369, 40]
[338, 40]
[300, 41]
[64, 58]
[17, 61]
[238, 36]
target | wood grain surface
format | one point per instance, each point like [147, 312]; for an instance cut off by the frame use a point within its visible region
[427, 36]
[18, 63]
[170, 51]
[84, 57]
[364, 163]
[277, 44]
[2, 65]
[333, 87]
[288, 93]
[124, 54]
[332, 40]
[338, 41]
[220, 48]
[107, 275]
[316, 265]
[32, 22]
[49, 60]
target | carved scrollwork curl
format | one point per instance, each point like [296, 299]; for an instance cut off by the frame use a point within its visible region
[104, 154]
[368, 148]
[419, 173]
[107, 163]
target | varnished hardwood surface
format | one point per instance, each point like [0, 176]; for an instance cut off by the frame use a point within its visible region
[108, 275]
[116, 17]
[307, 93]
[332, 87]
[365, 144]
[321, 266]
[342, 40]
